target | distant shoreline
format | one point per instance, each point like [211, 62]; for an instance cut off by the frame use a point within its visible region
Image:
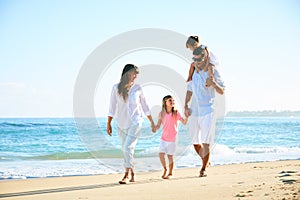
[264, 113]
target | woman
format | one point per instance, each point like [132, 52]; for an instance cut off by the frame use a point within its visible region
[128, 103]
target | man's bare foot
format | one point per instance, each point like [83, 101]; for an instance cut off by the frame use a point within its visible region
[203, 173]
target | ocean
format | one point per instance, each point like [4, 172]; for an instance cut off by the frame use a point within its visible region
[53, 147]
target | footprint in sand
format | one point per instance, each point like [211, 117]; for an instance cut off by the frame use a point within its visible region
[245, 194]
[288, 181]
[287, 174]
[284, 175]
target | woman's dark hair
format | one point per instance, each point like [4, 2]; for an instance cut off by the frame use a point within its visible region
[192, 40]
[124, 81]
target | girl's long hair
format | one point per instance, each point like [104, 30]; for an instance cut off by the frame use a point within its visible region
[164, 107]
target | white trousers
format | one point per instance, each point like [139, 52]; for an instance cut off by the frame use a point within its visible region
[129, 138]
[202, 129]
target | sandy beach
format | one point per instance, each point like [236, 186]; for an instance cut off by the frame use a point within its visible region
[264, 180]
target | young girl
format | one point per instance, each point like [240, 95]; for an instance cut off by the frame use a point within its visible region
[169, 118]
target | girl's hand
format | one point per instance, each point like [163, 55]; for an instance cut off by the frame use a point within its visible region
[187, 112]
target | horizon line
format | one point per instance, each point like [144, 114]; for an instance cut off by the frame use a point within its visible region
[228, 112]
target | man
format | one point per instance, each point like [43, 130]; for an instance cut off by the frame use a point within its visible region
[201, 90]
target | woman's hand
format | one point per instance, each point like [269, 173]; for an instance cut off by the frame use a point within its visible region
[152, 123]
[108, 129]
[153, 127]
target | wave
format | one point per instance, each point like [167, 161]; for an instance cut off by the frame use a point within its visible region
[217, 150]
[221, 149]
[79, 155]
[22, 125]
[259, 150]
[109, 153]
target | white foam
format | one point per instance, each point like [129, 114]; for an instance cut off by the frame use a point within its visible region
[187, 157]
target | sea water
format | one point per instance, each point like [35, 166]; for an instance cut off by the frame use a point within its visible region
[51, 147]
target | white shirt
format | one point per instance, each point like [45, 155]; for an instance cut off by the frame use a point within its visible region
[203, 97]
[129, 112]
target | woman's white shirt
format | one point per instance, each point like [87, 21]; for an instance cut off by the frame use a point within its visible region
[130, 112]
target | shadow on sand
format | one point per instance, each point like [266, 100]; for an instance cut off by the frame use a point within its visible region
[88, 187]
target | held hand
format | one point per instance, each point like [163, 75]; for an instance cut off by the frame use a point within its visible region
[108, 129]
[157, 127]
[187, 112]
[153, 127]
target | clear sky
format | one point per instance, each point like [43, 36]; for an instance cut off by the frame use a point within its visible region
[43, 45]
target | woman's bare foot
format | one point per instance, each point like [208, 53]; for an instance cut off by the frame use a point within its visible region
[132, 178]
[124, 179]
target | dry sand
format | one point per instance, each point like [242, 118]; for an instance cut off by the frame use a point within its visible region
[264, 180]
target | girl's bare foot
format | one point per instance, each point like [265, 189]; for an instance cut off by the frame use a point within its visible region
[164, 174]
[169, 176]
[208, 164]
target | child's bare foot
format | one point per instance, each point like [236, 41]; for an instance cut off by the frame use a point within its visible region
[208, 164]
[164, 174]
[169, 176]
[189, 79]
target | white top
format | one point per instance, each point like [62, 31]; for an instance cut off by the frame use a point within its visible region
[203, 97]
[130, 112]
[213, 59]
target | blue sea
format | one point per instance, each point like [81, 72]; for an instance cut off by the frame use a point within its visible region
[52, 147]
